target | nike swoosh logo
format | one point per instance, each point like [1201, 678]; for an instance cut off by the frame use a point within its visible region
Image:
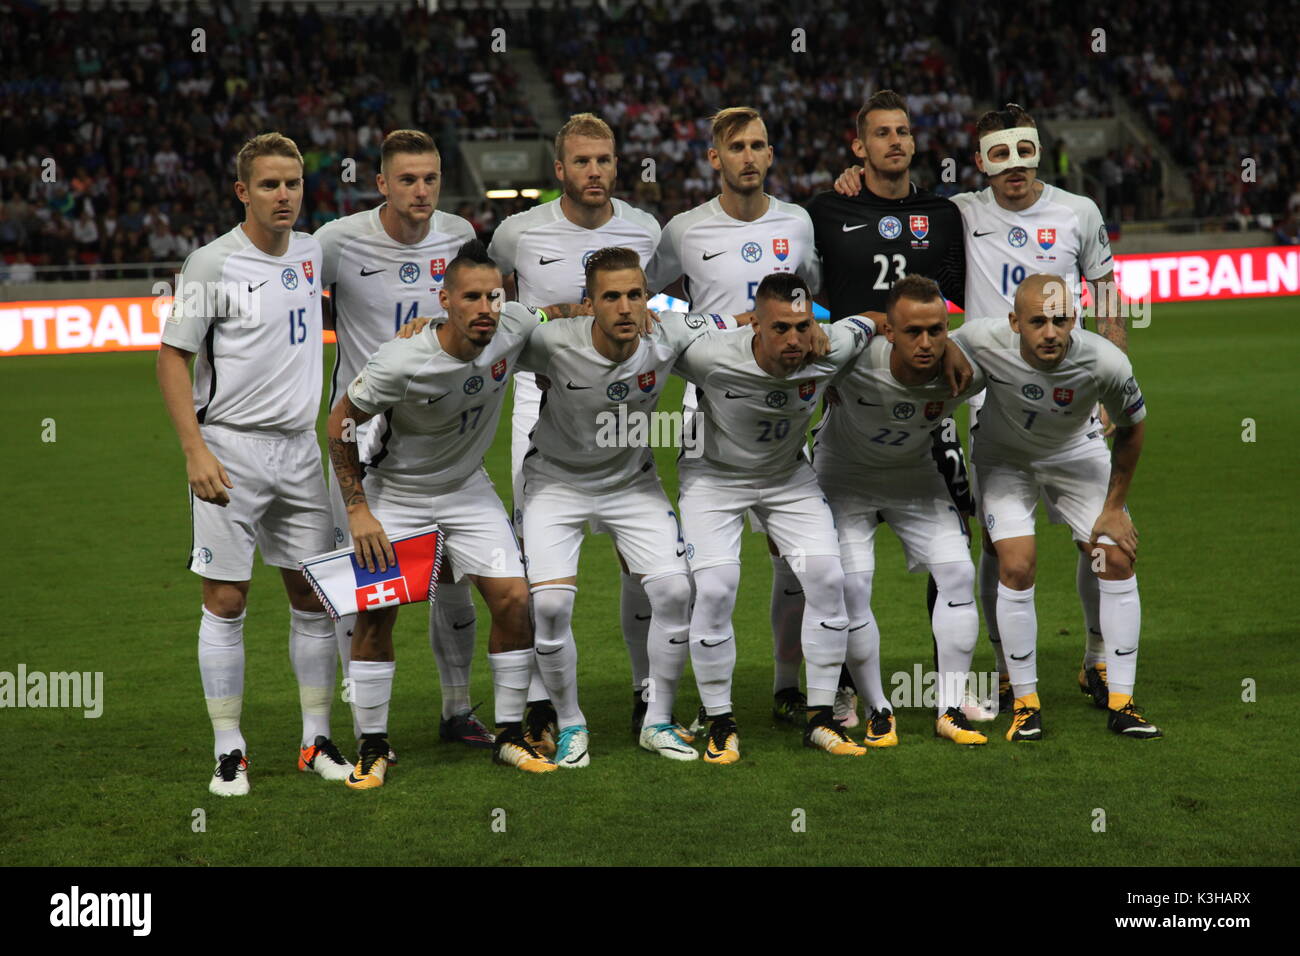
[436, 398]
[577, 388]
[254, 288]
[715, 255]
[543, 261]
[870, 404]
[681, 552]
[1129, 651]
[1023, 657]
[1140, 730]
[829, 627]
[847, 228]
[993, 378]
[729, 395]
[460, 627]
[549, 653]
[577, 758]
[788, 591]
[641, 618]
[372, 271]
[859, 627]
[682, 641]
[964, 604]
[353, 778]
[715, 643]
[979, 235]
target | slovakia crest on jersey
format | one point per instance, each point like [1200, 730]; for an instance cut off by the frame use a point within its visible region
[1047, 238]
[498, 370]
[807, 390]
[781, 249]
[920, 226]
[646, 381]
[309, 271]
[437, 269]
[1063, 396]
[933, 410]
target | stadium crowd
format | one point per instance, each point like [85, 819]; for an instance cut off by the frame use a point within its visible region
[140, 129]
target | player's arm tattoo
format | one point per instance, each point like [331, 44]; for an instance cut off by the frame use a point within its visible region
[1123, 463]
[565, 310]
[1110, 323]
[344, 455]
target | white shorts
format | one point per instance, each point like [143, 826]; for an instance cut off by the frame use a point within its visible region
[479, 538]
[367, 435]
[915, 503]
[794, 513]
[523, 419]
[638, 516]
[278, 504]
[1073, 487]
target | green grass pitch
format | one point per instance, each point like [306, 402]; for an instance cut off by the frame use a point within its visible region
[96, 529]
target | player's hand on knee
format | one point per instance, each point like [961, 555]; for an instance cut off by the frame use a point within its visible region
[413, 327]
[1116, 524]
[957, 370]
[850, 181]
[208, 478]
[369, 542]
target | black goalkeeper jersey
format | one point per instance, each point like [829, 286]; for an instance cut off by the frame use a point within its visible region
[867, 243]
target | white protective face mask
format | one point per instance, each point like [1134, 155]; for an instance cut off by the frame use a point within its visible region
[1011, 138]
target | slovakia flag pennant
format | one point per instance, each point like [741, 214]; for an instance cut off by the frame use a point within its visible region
[344, 586]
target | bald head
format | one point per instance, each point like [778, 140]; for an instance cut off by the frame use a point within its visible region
[1043, 294]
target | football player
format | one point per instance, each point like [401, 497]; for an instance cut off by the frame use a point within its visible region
[383, 267]
[440, 394]
[872, 458]
[1037, 435]
[587, 465]
[247, 428]
[543, 252]
[714, 256]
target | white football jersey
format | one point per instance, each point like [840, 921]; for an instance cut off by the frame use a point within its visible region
[254, 322]
[378, 284]
[440, 413]
[880, 422]
[722, 260]
[1060, 234]
[548, 253]
[580, 437]
[753, 425]
[1036, 414]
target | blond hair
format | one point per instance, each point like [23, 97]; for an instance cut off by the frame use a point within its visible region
[727, 122]
[264, 144]
[582, 124]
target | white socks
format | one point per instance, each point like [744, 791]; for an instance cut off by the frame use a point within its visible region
[863, 646]
[635, 614]
[372, 688]
[557, 653]
[511, 671]
[1018, 624]
[1085, 580]
[713, 644]
[1121, 623]
[311, 650]
[988, 592]
[956, 626]
[221, 667]
[452, 623]
[787, 625]
[825, 627]
[668, 644]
